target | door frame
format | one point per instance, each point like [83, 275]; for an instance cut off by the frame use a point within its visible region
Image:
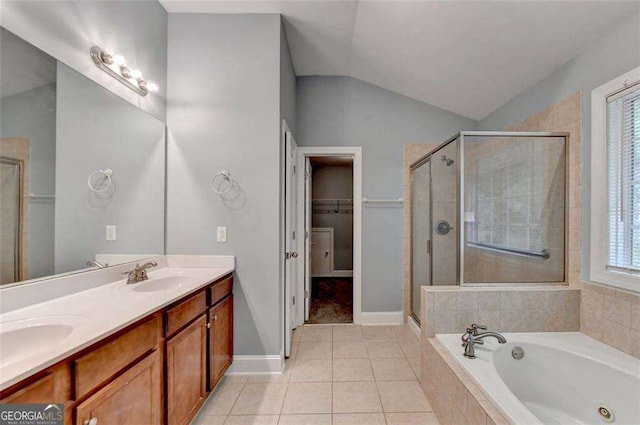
[354, 152]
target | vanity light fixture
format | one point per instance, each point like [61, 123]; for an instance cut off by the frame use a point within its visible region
[116, 66]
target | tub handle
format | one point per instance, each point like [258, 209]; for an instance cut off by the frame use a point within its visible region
[475, 327]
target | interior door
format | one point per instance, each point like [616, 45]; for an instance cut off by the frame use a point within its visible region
[321, 251]
[291, 254]
[308, 176]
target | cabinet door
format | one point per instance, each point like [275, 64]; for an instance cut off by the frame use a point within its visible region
[220, 339]
[135, 398]
[187, 372]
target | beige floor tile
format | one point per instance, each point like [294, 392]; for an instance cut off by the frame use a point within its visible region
[404, 396]
[235, 379]
[347, 333]
[316, 333]
[379, 333]
[411, 348]
[392, 370]
[276, 378]
[359, 419]
[384, 350]
[222, 399]
[307, 397]
[260, 399]
[350, 350]
[209, 420]
[411, 419]
[314, 350]
[297, 333]
[311, 370]
[416, 365]
[305, 420]
[356, 397]
[352, 370]
[404, 333]
[252, 420]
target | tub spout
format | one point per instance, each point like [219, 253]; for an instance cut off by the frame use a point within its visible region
[497, 336]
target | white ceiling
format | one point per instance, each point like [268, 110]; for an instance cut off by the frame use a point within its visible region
[468, 57]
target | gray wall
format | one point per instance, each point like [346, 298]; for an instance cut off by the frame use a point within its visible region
[97, 130]
[335, 182]
[224, 113]
[67, 30]
[342, 111]
[613, 55]
[32, 114]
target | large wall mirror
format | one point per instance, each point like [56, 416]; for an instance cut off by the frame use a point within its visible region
[81, 170]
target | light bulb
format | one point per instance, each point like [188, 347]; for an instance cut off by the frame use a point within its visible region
[136, 73]
[107, 58]
[152, 86]
[119, 60]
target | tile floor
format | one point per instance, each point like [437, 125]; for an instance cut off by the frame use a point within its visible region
[337, 374]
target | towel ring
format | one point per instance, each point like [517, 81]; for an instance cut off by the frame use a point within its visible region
[226, 176]
[107, 173]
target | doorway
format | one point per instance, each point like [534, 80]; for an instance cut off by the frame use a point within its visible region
[331, 251]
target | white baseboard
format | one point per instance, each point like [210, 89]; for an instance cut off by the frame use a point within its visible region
[257, 365]
[413, 325]
[381, 318]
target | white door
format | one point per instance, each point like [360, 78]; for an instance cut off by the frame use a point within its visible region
[307, 231]
[322, 251]
[290, 254]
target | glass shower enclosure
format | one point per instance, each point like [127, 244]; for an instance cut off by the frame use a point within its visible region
[489, 208]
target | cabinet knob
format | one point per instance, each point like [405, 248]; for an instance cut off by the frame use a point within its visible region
[215, 317]
[92, 421]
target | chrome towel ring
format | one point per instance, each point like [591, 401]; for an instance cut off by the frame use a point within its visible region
[107, 173]
[225, 175]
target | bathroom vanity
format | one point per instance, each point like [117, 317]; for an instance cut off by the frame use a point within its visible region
[154, 363]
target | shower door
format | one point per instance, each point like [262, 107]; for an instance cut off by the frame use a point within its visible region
[444, 214]
[11, 223]
[420, 233]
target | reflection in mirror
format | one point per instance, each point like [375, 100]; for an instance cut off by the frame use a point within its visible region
[82, 170]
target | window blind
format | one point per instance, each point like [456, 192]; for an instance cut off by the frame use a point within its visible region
[623, 180]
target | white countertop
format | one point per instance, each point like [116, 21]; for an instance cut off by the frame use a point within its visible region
[100, 311]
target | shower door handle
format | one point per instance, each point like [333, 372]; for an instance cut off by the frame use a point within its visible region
[443, 227]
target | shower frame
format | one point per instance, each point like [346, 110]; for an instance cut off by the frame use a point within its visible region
[460, 210]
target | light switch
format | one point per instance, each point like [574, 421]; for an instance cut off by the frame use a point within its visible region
[222, 234]
[111, 232]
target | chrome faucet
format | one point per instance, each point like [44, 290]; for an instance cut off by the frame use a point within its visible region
[139, 273]
[473, 337]
[97, 264]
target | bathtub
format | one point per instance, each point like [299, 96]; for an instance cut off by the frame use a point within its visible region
[563, 378]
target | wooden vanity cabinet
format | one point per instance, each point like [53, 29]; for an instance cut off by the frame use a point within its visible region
[157, 371]
[187, 372]
[220, 339]
[134, 398]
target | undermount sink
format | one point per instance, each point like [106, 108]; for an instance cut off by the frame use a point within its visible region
[22, 338]
[160, 284]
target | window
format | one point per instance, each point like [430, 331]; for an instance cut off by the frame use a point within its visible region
[623, 180]
[615, 195]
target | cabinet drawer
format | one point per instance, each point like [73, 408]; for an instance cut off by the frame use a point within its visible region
[185, 312]
[97, 366]
[220, 289]
[135, 398]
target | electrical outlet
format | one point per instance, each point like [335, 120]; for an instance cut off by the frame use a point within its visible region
[221, 234]
[111, 232]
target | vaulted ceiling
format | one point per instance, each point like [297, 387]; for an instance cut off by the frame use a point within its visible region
[469, 57]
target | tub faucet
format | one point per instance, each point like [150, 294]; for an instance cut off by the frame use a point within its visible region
[472, 337]
[97, 264]
[139, 273]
